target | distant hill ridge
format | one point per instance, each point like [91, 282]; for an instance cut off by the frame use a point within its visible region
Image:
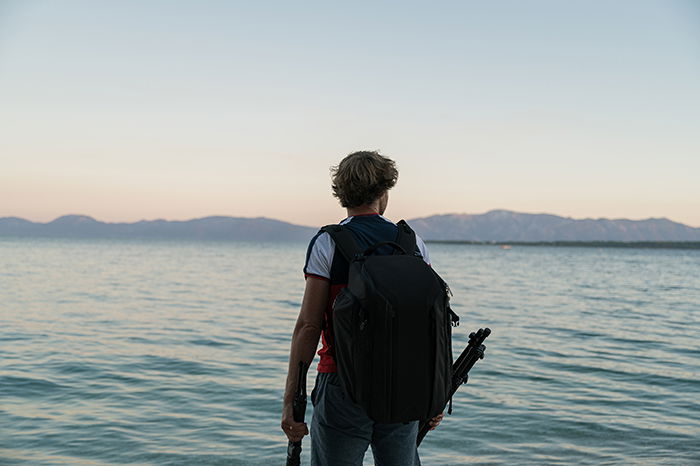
[496, 225]
[505, 225]
[207, 228]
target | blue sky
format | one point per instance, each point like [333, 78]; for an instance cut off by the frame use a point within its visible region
[164, 109]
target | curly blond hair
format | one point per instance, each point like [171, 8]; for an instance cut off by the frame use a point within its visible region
[362, 177]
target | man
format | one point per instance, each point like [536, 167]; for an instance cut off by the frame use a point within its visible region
[340, 430]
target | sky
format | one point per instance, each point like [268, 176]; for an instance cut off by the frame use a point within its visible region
[131, 110]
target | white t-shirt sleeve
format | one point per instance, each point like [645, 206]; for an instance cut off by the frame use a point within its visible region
[320, 257]
[423, 249]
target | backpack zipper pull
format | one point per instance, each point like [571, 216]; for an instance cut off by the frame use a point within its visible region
[454, 317]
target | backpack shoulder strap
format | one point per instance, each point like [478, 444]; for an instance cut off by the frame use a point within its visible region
[344, 240]
[406, 237]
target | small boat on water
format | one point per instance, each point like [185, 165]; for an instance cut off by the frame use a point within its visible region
[506, 246]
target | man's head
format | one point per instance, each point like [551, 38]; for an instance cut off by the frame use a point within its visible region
[363, 178]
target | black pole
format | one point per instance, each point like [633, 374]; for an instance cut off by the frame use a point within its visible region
[298, 411]
[460, 370]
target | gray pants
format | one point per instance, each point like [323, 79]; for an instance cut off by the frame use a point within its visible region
[341, 431]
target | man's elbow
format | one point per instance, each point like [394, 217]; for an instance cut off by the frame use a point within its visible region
[307, 328]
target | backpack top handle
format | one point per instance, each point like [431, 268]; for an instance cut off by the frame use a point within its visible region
[405, 242]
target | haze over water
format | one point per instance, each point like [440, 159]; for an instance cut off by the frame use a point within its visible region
[157, 352]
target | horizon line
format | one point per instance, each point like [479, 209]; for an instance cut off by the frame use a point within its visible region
[316, 226]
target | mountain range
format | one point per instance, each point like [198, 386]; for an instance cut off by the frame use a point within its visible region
[208, 228]
[496, 225]
[504, 225]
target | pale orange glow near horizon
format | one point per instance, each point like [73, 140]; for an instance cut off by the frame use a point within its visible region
[316, 208]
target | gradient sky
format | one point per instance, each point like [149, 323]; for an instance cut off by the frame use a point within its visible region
[130, 110]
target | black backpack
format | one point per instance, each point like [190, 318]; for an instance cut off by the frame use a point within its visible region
[392, 329]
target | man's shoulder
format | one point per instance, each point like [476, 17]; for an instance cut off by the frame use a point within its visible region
[320, 239]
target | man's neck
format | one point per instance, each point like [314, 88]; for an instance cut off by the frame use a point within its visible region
[364, 210]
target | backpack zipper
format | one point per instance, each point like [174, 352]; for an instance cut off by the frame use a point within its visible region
[389, 322]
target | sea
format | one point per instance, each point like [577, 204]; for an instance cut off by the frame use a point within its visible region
[175, 353]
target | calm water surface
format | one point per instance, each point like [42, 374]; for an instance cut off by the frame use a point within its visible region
[136, 352]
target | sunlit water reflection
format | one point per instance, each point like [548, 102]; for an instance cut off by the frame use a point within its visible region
[175, 353]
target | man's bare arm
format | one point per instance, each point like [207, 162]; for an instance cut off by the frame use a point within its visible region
[304, 342]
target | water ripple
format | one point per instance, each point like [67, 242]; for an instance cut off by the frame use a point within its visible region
[181, 359]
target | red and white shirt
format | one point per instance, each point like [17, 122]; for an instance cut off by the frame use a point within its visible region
[325, 263]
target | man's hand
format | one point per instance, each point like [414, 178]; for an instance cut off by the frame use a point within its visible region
[295, 431]
[434, 422]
